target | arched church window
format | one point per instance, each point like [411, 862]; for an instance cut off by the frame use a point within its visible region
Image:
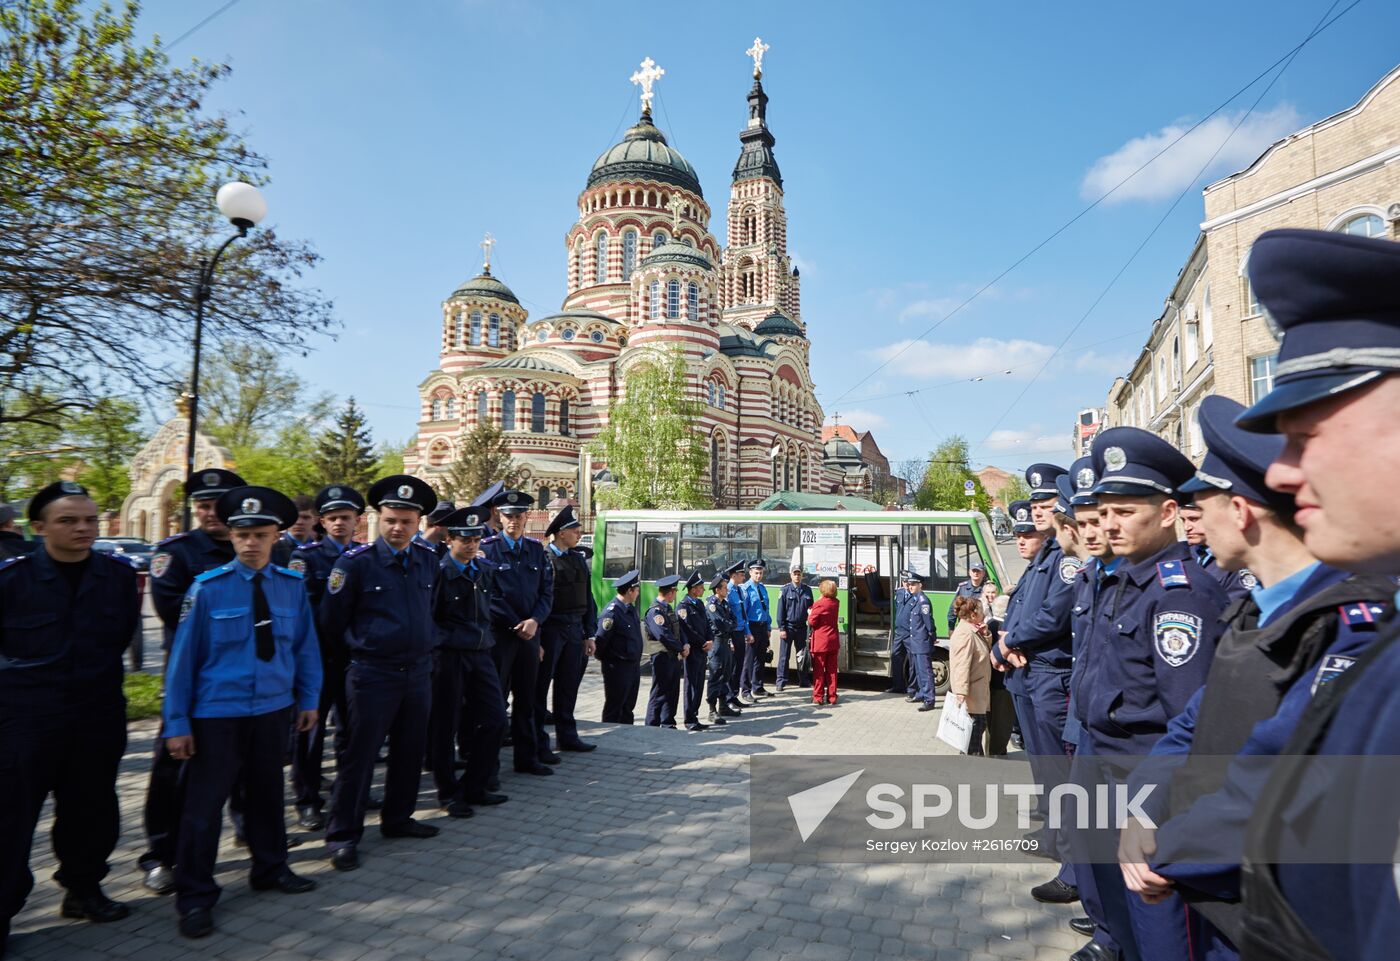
[601, 268]
[508, 410]
[673, 299]
[629, 253]
[654, 300]
[692, 300]
[542, 497]
[481, 406]
[798, 487]
[578, 263]
[458, 322]
[657, 239]
[711, 386]
[476, 328]
[437, 408]
[714, 465]
[450, 407]
[493, 332]
[564, 417]
[720, 405]
[537, 413]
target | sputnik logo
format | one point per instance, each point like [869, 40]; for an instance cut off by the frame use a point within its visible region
[810, 807]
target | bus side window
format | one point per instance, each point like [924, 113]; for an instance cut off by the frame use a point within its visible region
[956, 551]
[658, 555]
[619, 548]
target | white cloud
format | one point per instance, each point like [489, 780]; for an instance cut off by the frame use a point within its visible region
[1176, 169]
[932, 307]
[1026, 442]
[860, 420]
[1091, 361]
[984, 356]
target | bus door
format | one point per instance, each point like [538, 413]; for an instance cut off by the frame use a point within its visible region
[657, 545]
[873, 562]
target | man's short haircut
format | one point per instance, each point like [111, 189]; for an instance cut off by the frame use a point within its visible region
[304, 502]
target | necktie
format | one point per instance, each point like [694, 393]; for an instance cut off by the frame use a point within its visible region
[262, 619]
[403, 562]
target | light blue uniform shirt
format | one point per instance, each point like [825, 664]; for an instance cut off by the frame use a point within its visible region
[756, 603]
[214, 669]
[1271, 598]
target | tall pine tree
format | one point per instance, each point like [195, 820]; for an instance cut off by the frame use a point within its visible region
[484, 459]
[346, 454]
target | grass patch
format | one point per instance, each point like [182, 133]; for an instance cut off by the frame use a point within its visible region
[142, 696]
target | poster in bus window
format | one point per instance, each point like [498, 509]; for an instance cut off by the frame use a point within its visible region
[825, 559]
[917, 561]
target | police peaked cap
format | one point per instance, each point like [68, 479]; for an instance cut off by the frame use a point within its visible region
[1133, 462]
[910, 577]
[1082, 479]
[694, 580]
[627, 581]
[256, 507]
[564, 520]
[51, 493]
[718, 580]
[667, 582]
[484, 499]
[1064, 499]
[1021, 522]
[443, 509]
[212, 482]
[758, 563]
[736, 568]
[1236, 459]
[339, 497]
[1041, 478]
[1335, 304]
[466, 522]
[512, 502]
[403, 490]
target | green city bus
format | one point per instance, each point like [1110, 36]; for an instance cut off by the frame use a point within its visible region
[863, 551]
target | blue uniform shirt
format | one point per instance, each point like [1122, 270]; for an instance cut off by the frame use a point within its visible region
[1043, 631]
[381, 604]
[619, 635]
[721, 616]
[756, 603]
[523, 585]
[214, 670]
[793, 604]
[660, 625]
[1148, 648]
[917, 620]
[695, 625]
[737, 598]
[462, 604]
[177, 561]
[314, 562]
[901, 601]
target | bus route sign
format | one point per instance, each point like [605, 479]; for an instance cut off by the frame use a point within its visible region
[812, 536]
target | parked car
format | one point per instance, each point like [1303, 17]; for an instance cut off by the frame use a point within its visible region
[135, 550]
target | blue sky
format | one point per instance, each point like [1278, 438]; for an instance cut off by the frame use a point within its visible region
[925, 147]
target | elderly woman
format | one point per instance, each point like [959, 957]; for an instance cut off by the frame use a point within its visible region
[970, 666]
[825, 644]
[1001, 717]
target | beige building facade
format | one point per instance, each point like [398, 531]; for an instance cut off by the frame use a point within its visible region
[1342, 174]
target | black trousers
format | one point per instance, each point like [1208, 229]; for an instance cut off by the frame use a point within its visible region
[665, 695]
[570, 663]
[517, 665]
[74, 756]
[465, 677]
[225, 750]
[622, 682]
[552, 646]
[794, 643]
[310, 747]
[755, 656]
[384, 701]
[694, 669]
[736, 662]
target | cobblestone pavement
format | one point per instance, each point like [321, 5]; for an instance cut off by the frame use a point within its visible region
[636, 851]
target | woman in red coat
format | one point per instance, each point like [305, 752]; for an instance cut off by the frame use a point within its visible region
[824, 645]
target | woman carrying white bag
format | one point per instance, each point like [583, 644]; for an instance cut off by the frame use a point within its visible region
[970, 670]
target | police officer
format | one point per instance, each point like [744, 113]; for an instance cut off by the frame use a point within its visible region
[464, 670]
[722, 630]
[1290, 629]
[618, 647]
[1335, 396]
[760, 621]
[1029, 541]
[695, 631]
[916, 619]
[379, 600]
[567, 634]
[903, 677]
[338, 509]
[177, 561]
[1237, 584]
[662, 628]
[793, 604]
[741, 639]
[1151, 636]
[435, 538]
[490, 519]
[972, 587]
[244, 656]
[300, 534]
[69, 613]
[522, 596]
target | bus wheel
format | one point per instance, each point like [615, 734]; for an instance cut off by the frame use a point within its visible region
[940, 673]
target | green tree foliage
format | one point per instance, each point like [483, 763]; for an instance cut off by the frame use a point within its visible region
[345, 454]
[390, 459]
[482, 458]
[95, 445]
[1016, 489]
[651, 444]
[107, 437]
[942, 485]
[108, 170]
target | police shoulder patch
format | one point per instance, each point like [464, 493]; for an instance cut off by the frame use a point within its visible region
[187, 604]
[925, 608]
[681, 613]
[160, 563]
[607, 623]
[297, 564]
[1331, 668]
[336, 580]
[1177, 637]
[1172, 574]
[1362, 614]
[1069, 566]
[659, 618]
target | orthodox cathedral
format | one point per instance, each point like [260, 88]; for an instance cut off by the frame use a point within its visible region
[644, 272]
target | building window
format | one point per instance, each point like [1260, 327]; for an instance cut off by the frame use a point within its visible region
[673, 299]
[654, 301]
[493, 331]
[1194, 436]
[1367, 225]
[542, 497]
[711, 386]
[720, 405]
[568, 333]
[629, 253]
[564, 417]
[596, 336]
[1207, 321]
[541, 335]
[1162, 378]
[578, 262]
[537, 413]
[450, 407]
[508, 410]
[1193, 333]
[600, 273]
[476, 328]
[437, 408]
[1253, 308]
[481, 406]
[1176, 362]
[1261, 376]
[692, 301]
[657, 239]
[457, 324]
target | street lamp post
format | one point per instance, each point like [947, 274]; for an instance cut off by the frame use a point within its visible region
[244, 206]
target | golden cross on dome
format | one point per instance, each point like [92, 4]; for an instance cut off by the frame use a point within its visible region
[757, 51]
[646, 78]
[487, 243]
[676, 205]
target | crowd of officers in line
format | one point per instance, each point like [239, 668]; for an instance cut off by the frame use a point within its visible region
[1269, 632]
